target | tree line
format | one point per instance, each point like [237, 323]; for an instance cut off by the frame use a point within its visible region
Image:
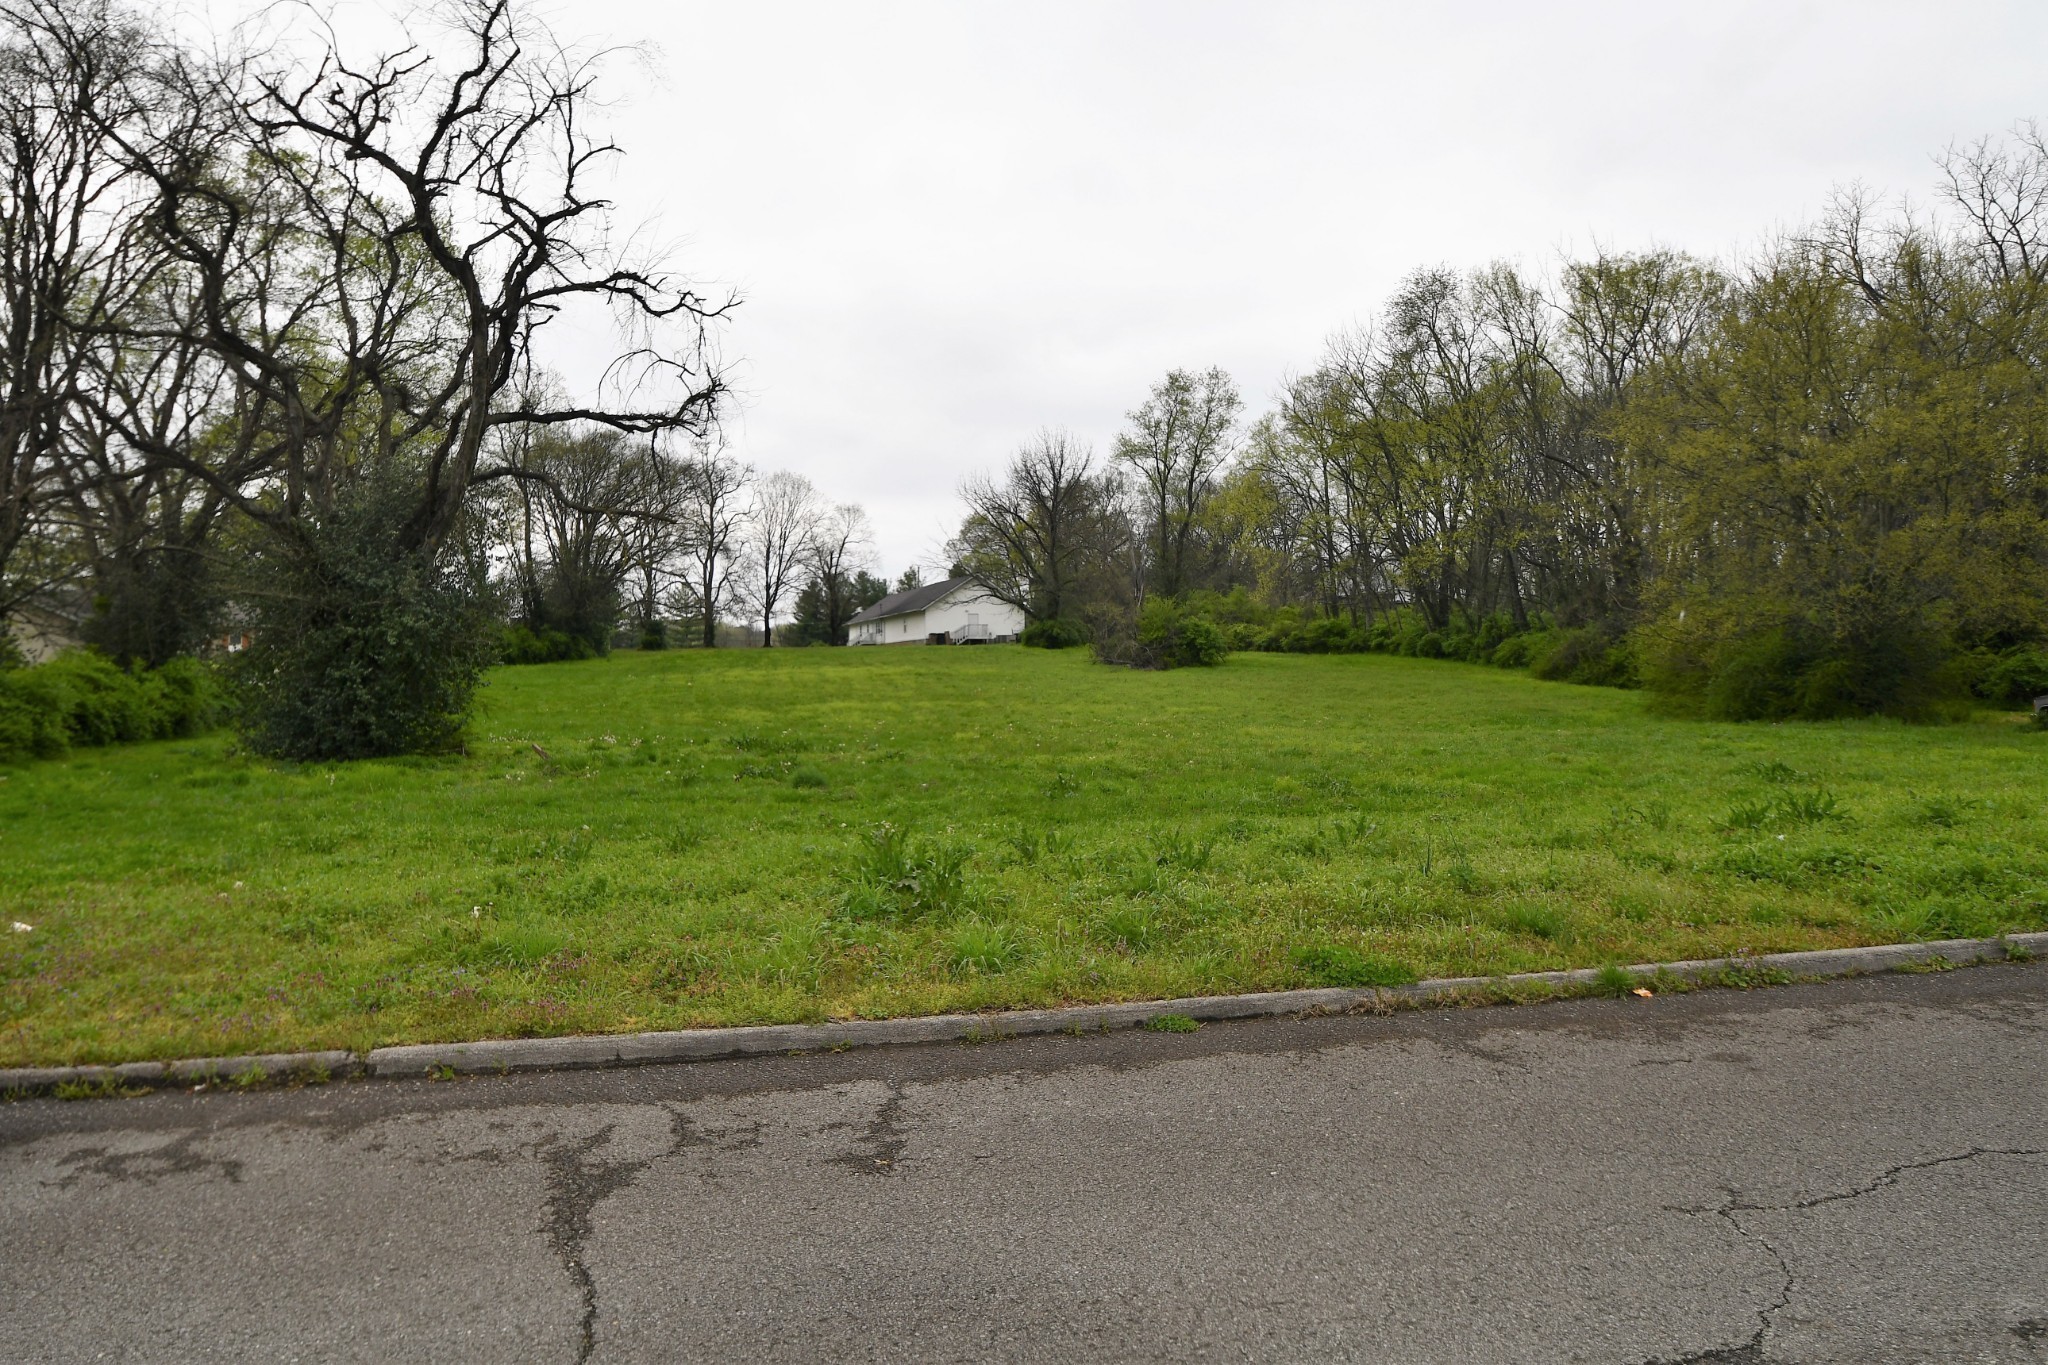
[1808, 482]
[271, 319]
[614, 539]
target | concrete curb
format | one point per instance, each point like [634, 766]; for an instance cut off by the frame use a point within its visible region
[689, 1045]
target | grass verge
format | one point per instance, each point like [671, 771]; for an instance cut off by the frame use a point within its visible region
[692, 839]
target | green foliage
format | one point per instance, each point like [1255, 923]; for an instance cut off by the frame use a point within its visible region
[518, 644]
[2012, 677]
[1797, 671]
[1336, 964]
[359, 647]
[82, 699]
[985, 947]
[895, 874]
[619, 877]
[1172, 1023]
[1055, 634]
[1613, 980]
[1167, 634]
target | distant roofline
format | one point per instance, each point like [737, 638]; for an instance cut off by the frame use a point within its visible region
[907, 601]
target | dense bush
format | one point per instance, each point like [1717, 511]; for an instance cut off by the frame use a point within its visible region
[1055, 634]
[517, 644]
[2013, 677]
[1803, 670]
[359, 648]
[1586, 655]
[82, 699]
[1163, 634]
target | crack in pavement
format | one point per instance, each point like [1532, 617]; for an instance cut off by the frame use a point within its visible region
[1888, 1178]
[1752, 1352]
[576, 1186]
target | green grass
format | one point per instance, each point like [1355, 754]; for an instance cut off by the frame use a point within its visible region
[673, 840]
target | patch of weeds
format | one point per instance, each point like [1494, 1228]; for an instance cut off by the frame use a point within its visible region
[807, 777]
[985, 947]
[1941, 812]
[1750, 815]
[1534, 921]
[895, 873]
[1463, 878]
[1336, 964]
[2017, 952]
[1172, 1023]
[1144, 878]
[1649, 814]
[1063, 784]
[684, 837]
[249, 1079]
[1773, 771]
[1132, 927]
[1355, 827]
[1742, 976]
[1179, 849]
[523, 945]
[1810, 807]
[101, 1088]
[1813, 807]
[1937, 963]
[1026, 844]
[443, 1072]
[1612, 980]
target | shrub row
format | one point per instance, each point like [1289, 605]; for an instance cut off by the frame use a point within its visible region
[80, 699]
[1581, 654]
[518, 644]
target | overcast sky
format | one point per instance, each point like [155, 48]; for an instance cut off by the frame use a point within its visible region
[955, 223]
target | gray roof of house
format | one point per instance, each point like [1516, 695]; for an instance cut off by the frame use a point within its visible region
[913, 599]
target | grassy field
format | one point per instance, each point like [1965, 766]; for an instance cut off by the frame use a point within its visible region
[668, 840]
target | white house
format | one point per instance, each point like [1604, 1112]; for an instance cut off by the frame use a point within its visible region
[956, 612]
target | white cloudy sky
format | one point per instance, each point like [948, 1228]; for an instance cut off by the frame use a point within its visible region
[954, 223]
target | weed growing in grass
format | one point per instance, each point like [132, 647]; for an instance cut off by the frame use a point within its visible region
[1773, 771]
[102, 1088]
[1748, 815]
[896, 874]
[985, 947]
[803, 775]
[1172, 1023]
[1178, 849]
[1612, 980]
[1337, 964]
[1536, 921]
[1814, 807]
[1942, 812]
[1810, 807]
[1130, 927]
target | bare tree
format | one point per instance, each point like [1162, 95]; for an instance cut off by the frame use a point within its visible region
[72, 262]
[713, 506]
[780, 524]
[376, 266]
[1024, 540]
[839, 550]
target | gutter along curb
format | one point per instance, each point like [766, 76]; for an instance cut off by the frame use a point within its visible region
[691, 1045]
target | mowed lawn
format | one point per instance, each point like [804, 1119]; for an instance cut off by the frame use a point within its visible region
[674, 840]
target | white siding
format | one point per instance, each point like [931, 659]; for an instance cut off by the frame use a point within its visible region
[954, 614]
[968, 605]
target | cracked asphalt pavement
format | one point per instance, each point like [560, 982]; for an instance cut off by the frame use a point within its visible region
[1852, 1171]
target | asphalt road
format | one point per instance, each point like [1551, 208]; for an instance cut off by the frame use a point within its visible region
[1855, 1171]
